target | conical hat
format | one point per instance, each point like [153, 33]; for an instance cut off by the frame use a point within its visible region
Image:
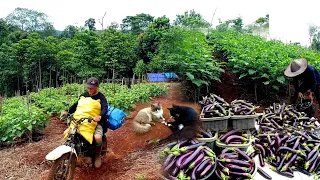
[296, 67]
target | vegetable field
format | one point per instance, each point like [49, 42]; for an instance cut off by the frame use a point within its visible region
[255, 59]
[23, 115]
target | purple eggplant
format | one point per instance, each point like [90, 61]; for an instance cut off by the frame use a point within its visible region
[236, 161]
[299, 152]
[226, 150]
[243, 154]
[170, 165]
[222, 168]
[314, 164]
[261, 149]
[232, 132]
[175, 171]
[202, 165]
[222, 175]
[261, 160]
[288, 164]
[235, 137]
[296, 143]
[264, 174]
[229, 155]
[205, 134]
[182, 158]
[191, 147]
[313, 151]
[169, 158]
[197, 161]
[194, 141]
[193, 172]
[208, 153]
[237, 168]
[247, 175]
[207, 170]
[191, 157]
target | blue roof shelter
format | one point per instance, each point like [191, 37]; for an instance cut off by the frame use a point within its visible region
[157, 77]
[171, 75]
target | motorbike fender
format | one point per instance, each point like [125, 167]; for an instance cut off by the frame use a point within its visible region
[59, 151]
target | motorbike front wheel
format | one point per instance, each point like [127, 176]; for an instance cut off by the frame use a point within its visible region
[60, 169]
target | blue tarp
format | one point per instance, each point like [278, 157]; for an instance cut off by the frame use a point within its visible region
[157, 77]
[171, 75]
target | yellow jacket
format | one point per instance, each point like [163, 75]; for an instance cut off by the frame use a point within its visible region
[87, 107]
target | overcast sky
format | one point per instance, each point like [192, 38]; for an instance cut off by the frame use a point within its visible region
[288, 19]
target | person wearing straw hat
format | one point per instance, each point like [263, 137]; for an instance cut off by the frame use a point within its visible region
[305, 79]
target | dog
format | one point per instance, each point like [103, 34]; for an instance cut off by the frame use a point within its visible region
[186, 124]
[147, 117]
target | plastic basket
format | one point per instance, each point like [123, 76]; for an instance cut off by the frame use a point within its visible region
[253, 174]
[243, 121]
[214, 123]
[206, 177]
[243, 147]
[209, 141]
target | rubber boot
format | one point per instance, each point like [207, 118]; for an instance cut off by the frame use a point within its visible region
[97, 156]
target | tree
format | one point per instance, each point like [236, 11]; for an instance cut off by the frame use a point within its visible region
[28, 20]
[191, 19]
[140, 68]
[68, 32]
[114, 25]
[149, 41]
[4, 31]
[90, 23]
[313, 29]
[136, 24]
[119, 48]
[235, 24]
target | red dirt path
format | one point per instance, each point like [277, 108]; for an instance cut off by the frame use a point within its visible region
[129, 156]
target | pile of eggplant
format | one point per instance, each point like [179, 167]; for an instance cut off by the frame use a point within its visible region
[282, 117]
[235, 136]
[234, 163]
[242, 107]
[287, 152]
[188, 160]
[214, 106]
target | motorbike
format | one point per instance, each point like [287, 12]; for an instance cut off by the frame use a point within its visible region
[65, 156]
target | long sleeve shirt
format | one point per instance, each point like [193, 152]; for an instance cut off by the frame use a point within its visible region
[103, 102]
[309, 79]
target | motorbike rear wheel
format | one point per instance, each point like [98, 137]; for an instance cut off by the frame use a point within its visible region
[59, 169]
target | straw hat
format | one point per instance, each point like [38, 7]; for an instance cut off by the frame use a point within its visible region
[296, 67]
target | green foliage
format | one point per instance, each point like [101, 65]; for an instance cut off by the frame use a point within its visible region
[187, 51]
[232, 24]
[30, 21]
[120, 47]
[21, 117]
[191, 19]
[17, 119]
[90, 23]
[136, 24]
[254, 59]
[68, 32]
[140, 68]
[149, 41]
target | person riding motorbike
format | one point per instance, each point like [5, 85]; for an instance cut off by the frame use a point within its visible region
[92, 103]
[306, 79]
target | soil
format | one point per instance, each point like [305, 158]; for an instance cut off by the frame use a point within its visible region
[129, 156]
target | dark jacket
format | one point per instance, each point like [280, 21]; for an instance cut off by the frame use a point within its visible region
[309, 79]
